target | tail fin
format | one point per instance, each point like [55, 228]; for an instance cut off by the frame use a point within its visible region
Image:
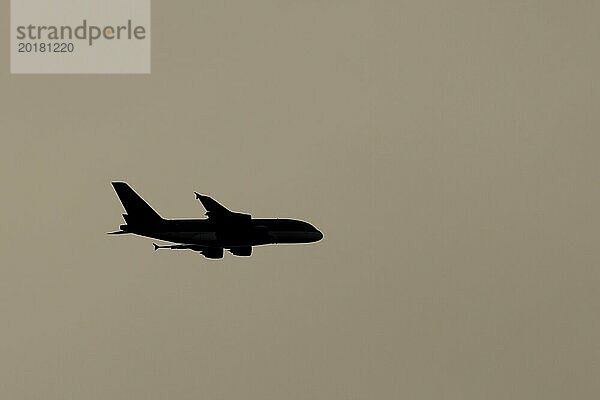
[138, 211]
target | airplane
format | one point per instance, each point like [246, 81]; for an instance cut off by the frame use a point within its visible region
[221, 229]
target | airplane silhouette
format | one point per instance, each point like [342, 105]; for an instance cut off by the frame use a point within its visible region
[222, 229]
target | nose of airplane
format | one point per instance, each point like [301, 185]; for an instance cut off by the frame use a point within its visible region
[317, 235]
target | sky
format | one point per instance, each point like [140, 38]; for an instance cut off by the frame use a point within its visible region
[447, 150]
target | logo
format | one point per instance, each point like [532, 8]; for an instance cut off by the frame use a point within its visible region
[72, 37]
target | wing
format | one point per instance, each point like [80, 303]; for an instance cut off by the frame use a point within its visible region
[241, 251]
[206, 251]
[212, 207]
[214, 210]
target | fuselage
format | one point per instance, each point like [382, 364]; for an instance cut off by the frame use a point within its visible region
[228, 233]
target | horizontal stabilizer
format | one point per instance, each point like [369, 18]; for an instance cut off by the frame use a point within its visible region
[117, 233]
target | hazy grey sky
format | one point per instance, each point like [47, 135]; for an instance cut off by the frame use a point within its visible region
[447, 150]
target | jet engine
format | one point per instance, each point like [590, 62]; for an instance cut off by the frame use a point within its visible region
[213, 253]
